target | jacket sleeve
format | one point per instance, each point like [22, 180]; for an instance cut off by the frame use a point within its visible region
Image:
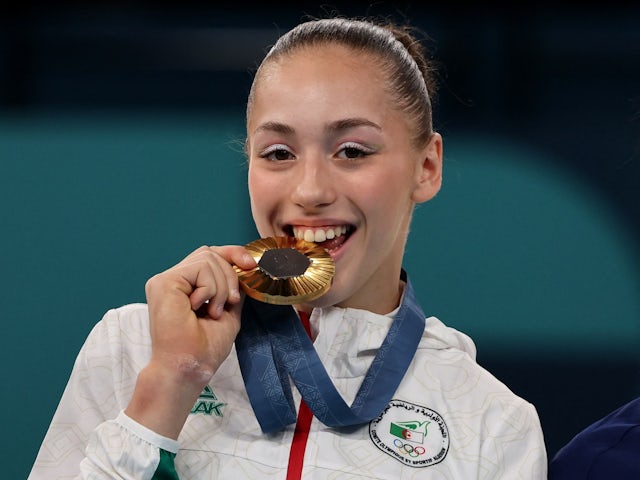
[122, 448]
[89, 435]
[514, 447]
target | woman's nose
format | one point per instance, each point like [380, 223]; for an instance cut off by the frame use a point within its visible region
[314, 187]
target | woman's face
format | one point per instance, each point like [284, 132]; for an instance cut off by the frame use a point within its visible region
[331, 160]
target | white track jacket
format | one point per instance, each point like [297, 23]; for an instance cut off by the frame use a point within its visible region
[448, 419]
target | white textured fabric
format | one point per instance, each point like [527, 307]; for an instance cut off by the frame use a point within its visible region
[119, 449]
[449, 419]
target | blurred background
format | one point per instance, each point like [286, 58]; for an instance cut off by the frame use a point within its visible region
[121, 130]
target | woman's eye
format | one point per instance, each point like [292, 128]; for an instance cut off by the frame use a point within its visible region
[277, 153]
[351, 151]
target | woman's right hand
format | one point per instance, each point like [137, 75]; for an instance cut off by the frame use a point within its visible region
[194, 313]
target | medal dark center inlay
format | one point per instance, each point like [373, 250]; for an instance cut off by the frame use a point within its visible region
[284, 263]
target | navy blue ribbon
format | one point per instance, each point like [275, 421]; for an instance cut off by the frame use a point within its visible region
[273, 345]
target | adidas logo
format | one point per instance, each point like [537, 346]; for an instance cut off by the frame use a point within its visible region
[208, 404]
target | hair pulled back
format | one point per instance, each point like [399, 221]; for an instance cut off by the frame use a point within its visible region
[410, 75]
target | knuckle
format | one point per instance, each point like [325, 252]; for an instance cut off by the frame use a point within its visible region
[150, 284]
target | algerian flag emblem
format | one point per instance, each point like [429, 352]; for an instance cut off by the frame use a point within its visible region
[411, 431]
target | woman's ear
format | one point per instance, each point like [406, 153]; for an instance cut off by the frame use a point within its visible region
[429, 170]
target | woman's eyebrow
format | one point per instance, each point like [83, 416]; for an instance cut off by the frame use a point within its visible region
[274, 127]
[347, 123]
[336, 126]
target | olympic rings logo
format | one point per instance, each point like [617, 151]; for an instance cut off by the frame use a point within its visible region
[408, 449]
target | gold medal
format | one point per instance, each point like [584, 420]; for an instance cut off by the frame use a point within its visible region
[289, 271]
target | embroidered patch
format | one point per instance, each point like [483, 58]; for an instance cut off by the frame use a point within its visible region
[208, 404]
[416, 436]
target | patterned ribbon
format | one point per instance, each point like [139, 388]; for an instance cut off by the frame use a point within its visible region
[273, 345]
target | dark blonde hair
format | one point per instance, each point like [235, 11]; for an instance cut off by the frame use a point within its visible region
[411, 77]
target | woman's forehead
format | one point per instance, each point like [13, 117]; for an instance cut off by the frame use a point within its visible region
[326, 66]
[321, 54]
[325, 82]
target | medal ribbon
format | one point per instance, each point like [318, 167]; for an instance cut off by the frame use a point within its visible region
[273, 345]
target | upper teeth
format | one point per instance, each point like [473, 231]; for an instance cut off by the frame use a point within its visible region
[318, 234]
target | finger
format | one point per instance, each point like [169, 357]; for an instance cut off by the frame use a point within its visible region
[231, 278]
[236, 255]
[210, 283]
[195, 277]
[207, 276]
[221, 294]
[239, 256]
[204, 285]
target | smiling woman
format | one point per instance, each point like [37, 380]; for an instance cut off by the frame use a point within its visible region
[346, 160]
[341, 149]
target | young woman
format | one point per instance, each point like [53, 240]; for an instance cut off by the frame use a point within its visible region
[196, 384]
